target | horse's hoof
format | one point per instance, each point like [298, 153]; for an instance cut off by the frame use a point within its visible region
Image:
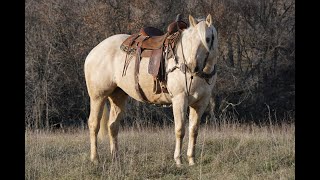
[95, 161]
[178, 162]
[191, 162]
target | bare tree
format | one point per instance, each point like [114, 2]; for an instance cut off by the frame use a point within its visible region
[255, 67]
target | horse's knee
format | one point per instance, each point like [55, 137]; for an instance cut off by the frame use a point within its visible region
[93, 125]
[193, 130]
[180, 132]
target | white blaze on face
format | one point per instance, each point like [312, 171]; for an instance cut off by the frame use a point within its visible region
[204, 33]
[205, 30]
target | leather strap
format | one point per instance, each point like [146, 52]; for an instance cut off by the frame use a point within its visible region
[136, 75]
[206, 76]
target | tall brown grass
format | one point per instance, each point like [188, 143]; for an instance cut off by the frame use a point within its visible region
[227, 151]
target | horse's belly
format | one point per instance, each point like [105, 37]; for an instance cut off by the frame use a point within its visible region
[147, 90]
[128, 84]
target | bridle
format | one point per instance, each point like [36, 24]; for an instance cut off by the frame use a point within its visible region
[200, 73]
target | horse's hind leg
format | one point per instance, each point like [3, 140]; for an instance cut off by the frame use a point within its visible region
[96, 107]
[117, 104]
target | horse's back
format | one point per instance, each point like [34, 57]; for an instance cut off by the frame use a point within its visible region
[106, 48]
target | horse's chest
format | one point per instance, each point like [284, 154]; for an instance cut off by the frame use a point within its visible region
[196, 96]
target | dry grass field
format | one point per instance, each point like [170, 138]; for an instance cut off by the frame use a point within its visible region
[230, 151]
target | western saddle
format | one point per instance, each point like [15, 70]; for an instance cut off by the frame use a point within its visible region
[158, 46]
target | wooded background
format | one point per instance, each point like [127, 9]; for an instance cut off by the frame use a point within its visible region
[256, 65]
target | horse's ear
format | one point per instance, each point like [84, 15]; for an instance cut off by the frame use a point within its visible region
[192, 21]
[209, 20]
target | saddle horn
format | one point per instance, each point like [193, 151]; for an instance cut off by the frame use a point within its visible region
[179, 17]
[178, 25]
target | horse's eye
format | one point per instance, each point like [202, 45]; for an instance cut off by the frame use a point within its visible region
[207, 40]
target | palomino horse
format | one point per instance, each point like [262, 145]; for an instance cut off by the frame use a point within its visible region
[190, 80]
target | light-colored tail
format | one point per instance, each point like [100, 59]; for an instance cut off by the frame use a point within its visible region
[103, 131]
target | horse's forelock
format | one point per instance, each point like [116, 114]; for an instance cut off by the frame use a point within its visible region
[200, 19]
[202, 30]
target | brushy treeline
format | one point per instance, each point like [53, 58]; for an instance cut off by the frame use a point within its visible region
[256, 69]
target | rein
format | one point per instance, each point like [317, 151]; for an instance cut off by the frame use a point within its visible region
[185, 70]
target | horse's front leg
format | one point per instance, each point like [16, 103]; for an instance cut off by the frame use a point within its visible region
[194, 121]
[179, 105]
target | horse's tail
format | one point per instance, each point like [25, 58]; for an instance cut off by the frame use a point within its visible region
[103, 131]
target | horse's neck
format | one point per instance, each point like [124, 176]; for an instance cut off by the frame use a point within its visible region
[180, 53]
